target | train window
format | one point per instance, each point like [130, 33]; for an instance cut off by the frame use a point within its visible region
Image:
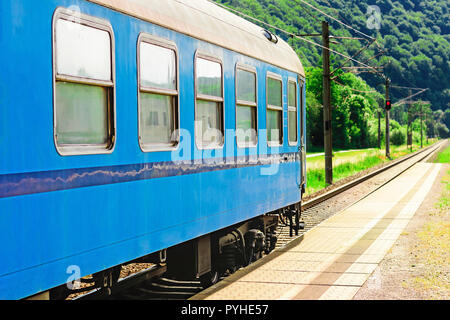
[158, 94]
[302, 100]
[274, 110]
[292, 112]
[209, 127]
[246, 106]
[83, 53]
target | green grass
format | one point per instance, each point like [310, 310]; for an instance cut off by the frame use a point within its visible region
[444, 156]
[444, 201]
[318, 162]
[314, 149]
[433, 248]
[349, 163]
[316, 177]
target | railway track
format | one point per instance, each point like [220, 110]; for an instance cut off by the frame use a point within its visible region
[148, 284]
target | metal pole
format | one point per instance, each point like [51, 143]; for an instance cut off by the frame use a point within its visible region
[379, 130]
[388, 152]
[421, 125]
[327, 104]
[409, 131]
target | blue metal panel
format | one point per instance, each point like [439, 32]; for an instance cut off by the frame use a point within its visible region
[98, 211]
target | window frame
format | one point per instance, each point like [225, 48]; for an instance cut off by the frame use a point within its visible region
[197, 96]
[302, 147]
[302, 109]
[290, 108]
[167, 44]
[103, 25]
[274, 76]
[248, 68]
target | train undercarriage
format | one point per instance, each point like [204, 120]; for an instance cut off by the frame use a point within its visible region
[207, 258]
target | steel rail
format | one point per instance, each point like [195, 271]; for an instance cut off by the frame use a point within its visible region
[313, 202]
[155, 271]
[124, 283]
[296, 240]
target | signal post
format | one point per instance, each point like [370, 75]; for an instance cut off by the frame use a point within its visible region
[327, 104]
[388, 107]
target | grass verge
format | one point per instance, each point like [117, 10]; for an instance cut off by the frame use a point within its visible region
[316, 177]
[434, 244]
[349, 163]
[444, 156]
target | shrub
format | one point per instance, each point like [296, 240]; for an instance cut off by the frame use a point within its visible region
[398, 136]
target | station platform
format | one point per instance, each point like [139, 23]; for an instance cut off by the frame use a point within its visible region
[334, 259]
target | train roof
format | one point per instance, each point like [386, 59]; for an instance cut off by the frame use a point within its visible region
[206, 21]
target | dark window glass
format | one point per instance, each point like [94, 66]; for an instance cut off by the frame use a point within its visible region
[155, 110]
[246, 85]
[274, 124]
[209, 78]
[84, 86]
[209, 129]
[158, 97]
[246, 109]
[274, 111]
[81, 116]
[246, 125]
[274, 95]
[208, 122]
[158, 67]
[292, 111]
[82, 51]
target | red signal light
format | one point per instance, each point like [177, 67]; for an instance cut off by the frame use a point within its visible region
[388, 105]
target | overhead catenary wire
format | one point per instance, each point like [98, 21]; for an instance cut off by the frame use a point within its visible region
[309, 12]
[375, 56]
[337, 11]
[356, 67]
[374, 40]
[356, 90]
[354, 56]
[412, 88]
[292, 34]
[405, 99]
[347, 24]
[338, 21]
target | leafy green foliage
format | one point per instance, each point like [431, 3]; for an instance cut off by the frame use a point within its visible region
[354, 104]
[398, 136]
[444, 156]
[415, 34]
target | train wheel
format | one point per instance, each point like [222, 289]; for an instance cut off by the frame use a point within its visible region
[209, 278]
[259, 255]
[233, 269]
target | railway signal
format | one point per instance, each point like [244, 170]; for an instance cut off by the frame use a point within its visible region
[327, 105]
[388, 105]
[388, 152]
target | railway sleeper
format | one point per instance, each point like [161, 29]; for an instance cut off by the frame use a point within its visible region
[103, 280]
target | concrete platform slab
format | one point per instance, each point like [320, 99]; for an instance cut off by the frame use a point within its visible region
[339, 293]
[336, 257]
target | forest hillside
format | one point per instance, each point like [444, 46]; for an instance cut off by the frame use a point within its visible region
[414, 33]
[414, 38]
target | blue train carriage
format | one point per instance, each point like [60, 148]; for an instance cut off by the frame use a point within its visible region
[151, 131]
